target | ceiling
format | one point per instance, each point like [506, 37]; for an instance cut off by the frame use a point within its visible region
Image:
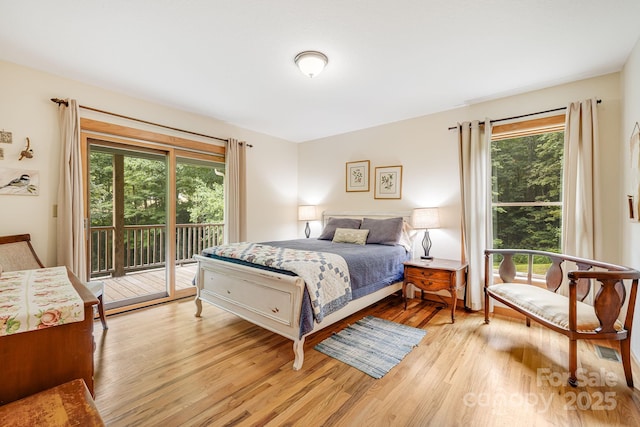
[389, 60]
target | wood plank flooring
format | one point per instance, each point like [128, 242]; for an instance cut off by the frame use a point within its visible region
[161, 366]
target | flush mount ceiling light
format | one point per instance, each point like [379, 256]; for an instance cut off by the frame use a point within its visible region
[311, 62]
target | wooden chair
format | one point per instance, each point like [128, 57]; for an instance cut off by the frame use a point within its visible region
[16, 253]
[568, 315]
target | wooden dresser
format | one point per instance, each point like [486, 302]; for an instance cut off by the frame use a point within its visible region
[38, 360]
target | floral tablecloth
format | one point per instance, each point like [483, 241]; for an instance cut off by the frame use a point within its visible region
[36, 299]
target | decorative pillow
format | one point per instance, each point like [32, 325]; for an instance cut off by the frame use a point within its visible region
[383, 231]
[333, 223]
[350, 235]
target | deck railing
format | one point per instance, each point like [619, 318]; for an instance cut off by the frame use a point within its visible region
[144, 246]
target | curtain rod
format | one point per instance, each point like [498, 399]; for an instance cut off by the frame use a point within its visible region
[525, 115]
[66, 103]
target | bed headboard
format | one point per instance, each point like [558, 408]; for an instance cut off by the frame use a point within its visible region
[406, 215]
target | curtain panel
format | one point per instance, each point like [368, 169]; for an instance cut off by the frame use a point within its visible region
[474, 144]
[580, 173]
[235, 192]
[71, 249]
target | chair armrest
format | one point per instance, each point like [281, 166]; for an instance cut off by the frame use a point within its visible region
[611, 296]
[604, 275]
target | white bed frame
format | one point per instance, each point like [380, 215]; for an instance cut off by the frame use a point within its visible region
[273, 300]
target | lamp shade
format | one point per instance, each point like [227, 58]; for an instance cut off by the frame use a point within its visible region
[311, 63]
[307, 213]
[425, 218]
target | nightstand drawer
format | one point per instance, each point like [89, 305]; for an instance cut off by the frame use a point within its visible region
[424, 274]
[427, 284]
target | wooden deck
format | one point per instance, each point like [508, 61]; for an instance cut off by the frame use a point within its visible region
[146, 282]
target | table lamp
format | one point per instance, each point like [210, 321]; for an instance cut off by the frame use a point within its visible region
[307, 213]
[425, 219]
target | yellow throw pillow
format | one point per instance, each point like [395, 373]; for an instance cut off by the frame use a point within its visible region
[350, 235]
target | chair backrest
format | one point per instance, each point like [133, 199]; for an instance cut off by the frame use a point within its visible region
[16, 253]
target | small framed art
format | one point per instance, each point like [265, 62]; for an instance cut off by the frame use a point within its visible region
[19, 182]
[358, 176]
[388, 182]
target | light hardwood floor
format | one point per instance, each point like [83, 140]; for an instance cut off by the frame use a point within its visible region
[161, 366]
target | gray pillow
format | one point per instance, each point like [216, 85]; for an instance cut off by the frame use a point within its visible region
[333, 223]
[383, 231]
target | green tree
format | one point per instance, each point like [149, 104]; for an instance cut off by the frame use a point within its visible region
[527, 169]
[200, 193]
[200, 197]
[145, 191]
[101, 189]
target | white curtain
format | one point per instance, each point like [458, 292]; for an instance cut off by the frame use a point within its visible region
[579, 175]
[235, 190]
[475, 187]
[71, 249]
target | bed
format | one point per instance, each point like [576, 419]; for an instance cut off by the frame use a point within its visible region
[279, 300]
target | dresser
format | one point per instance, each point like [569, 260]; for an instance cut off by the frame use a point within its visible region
[38, 360]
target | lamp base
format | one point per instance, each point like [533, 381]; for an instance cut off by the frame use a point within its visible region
[426, 245]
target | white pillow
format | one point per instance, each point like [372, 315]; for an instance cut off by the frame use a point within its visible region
[407, 237]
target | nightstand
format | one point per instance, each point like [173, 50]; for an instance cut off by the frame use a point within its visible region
[435, 275]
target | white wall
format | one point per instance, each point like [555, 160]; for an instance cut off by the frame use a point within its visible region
[630, 238]
[428, 153]
[26, 111]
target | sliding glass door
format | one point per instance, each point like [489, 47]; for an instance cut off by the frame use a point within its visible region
[150, 210]
[128, 225]
[199, 211]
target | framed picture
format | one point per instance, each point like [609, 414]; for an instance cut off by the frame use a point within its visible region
[388, 182]
[5, 137]
[19, 182]
[358, 176]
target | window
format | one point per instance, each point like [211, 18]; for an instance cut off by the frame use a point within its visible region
[526, 160]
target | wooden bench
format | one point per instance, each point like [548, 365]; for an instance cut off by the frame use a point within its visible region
[69, 404]
[569, 315]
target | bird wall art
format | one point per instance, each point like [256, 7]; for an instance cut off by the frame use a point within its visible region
[19, 181]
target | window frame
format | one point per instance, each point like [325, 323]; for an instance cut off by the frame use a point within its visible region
[537, 126]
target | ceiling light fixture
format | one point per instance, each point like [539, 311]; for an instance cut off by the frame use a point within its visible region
[311, 62]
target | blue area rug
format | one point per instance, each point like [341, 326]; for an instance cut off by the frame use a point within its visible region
[372, 345]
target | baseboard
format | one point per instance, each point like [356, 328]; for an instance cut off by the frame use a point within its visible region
[509, 312]
[443, 299]
[635, 370]
[446, 299]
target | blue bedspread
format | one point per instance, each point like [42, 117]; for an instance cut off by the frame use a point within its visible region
[371, 267]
